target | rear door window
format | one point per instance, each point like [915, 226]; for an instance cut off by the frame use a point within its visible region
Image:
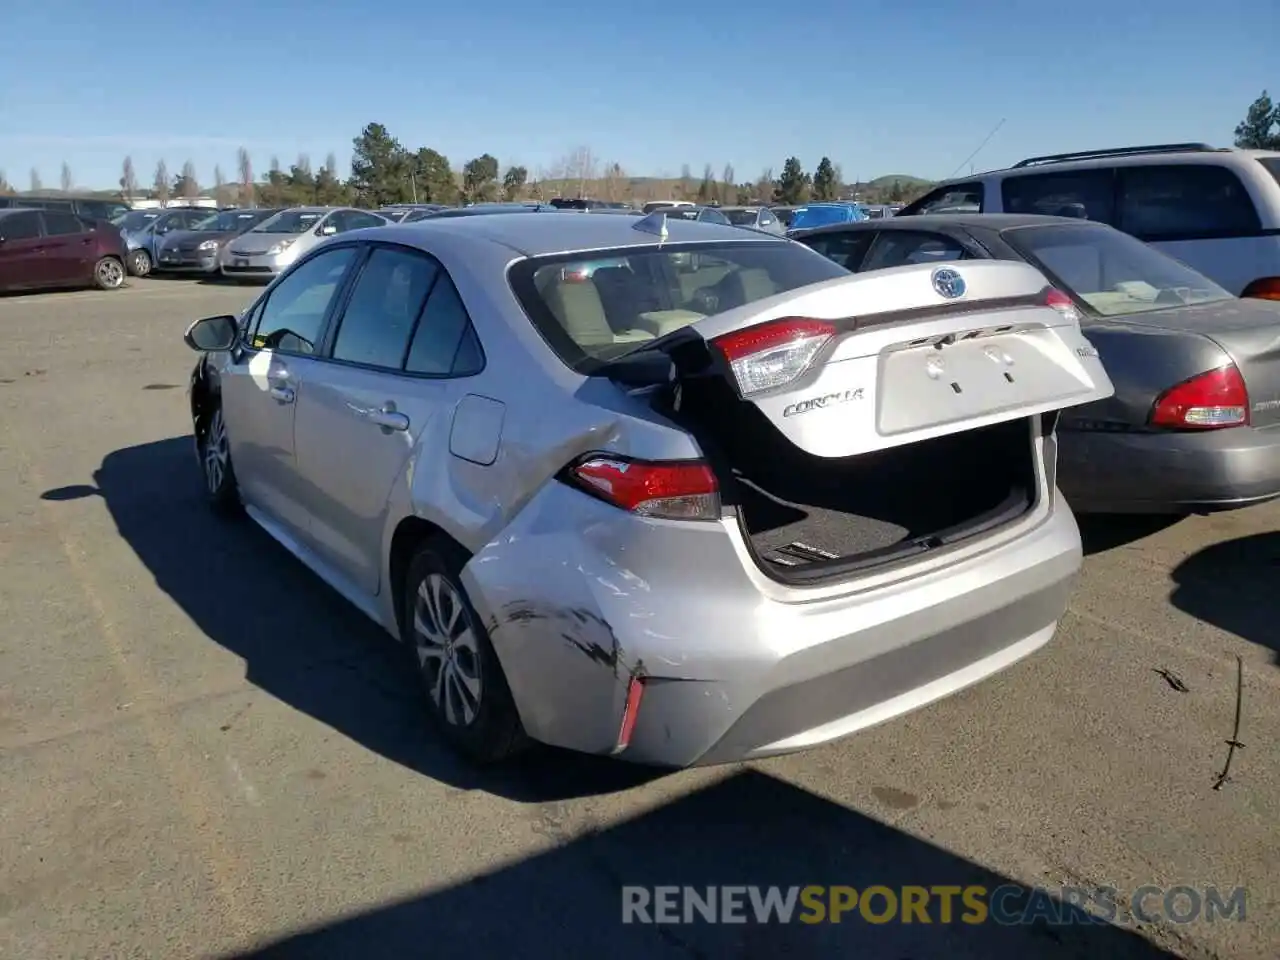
[20, 226]
[445, 343]
[900, 248]
[1082, 194]
[1272, 166]
[58, 224]
[1185, 202]
[956, 198]
[385, 302]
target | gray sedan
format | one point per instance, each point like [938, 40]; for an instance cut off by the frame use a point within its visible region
[1195, 421]
[671, 513]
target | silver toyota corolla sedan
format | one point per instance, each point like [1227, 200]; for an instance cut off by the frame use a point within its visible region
[671, 491]
[273, 245]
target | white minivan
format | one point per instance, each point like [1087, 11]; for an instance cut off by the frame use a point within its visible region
[1215, 209]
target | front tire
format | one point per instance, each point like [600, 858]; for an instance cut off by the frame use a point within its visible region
[108, 274]
[140, 263]
[466, 691]
[221, 492]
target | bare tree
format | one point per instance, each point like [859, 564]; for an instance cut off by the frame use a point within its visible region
[764, 186]
[580, 166]
[304, 165]
[686, 182]
[729, 184]
[840, 185]
[219, 187]
[555, 177]
[245, 168]
[4, 184]
[331, 164]
[36, 185]
[615, 181]
[67, 180]
[128, 179]
[190, 185]
[161, 183]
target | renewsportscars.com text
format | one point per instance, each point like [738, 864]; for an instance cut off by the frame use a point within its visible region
[1009, 905]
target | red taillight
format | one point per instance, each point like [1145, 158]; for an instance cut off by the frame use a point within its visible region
[1052, 297]
[673, 490]
[773, 353]
[1264, 288]
[1217, 398]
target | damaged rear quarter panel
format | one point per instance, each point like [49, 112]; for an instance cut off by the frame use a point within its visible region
[579, 597]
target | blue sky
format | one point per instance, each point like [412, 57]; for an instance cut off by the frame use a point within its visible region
[879, 86]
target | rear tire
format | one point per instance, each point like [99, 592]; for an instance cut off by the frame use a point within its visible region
[140, 263]
[465, 689]
[220, 488]
[108, 274]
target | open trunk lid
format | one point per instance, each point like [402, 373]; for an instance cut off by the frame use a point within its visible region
[877, 360]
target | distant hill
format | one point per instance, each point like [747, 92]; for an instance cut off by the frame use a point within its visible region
[904, 180]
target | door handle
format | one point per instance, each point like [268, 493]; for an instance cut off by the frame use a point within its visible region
[282, 393]
[388, 419]
[386, 416]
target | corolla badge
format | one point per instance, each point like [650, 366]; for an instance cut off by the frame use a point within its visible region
[948, 283]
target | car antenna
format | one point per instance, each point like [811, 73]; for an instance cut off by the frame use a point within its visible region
[655, 223]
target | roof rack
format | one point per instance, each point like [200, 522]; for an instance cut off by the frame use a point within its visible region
[1118, 152]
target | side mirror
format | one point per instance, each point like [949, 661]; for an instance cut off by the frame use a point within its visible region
[212, 334]
[326, 230]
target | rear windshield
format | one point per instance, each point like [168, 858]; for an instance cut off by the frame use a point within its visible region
[596, 307]
[742, 218]
[1272, 166]
[1112, 272]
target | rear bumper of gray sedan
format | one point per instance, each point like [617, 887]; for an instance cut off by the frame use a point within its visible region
[1168, 472]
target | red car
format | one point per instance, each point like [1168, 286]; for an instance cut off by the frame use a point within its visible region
[42, 249]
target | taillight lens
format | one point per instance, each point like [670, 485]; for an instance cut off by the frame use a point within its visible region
[774, 353]
[670, 490]
[1265, 288]
[1055, 298]
[1217, 398]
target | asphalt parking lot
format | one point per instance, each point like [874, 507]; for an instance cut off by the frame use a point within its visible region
[205, 753]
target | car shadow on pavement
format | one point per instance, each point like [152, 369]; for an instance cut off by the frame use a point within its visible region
[748, 829]
[1235, 586]
[301, 642]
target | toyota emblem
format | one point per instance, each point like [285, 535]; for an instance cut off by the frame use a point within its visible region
[948, 283]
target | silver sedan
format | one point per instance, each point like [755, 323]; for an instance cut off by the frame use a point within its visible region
[280, 241]
[657, 489]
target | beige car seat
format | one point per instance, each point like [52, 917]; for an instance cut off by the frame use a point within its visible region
[577, 305]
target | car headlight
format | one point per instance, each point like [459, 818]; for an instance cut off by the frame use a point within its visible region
[280, 247]
[208, 245]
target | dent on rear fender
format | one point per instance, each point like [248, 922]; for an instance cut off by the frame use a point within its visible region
[535, 587]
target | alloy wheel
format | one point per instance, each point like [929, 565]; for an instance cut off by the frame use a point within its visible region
[216, 453]
[110, 273]
[141, 263]
[448, 653]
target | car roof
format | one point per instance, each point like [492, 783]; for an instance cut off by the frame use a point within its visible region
[942, 221]
[551, 232]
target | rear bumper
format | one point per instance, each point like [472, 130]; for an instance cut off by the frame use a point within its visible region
[730, 671]
[1169, 472]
